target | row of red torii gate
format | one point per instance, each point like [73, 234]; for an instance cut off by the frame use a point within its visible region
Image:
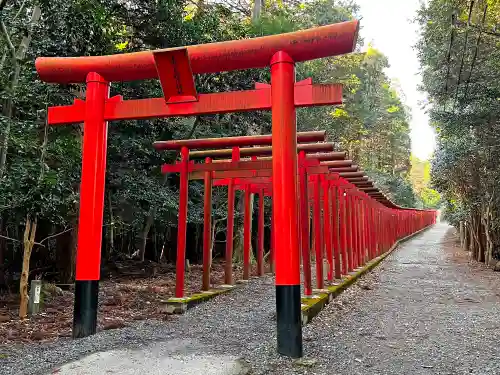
[348, 211]
[352, 221]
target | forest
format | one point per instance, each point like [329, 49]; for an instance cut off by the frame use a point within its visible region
[40, 166]
[460, 59]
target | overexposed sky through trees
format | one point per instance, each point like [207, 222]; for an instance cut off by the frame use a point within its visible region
[388, 26]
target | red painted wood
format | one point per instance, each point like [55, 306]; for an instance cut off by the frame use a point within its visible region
[285, 170]
[223, 102]
[228, 271]
[304, 224]
[247, 235]
[260, 151]
[327, 231]
[88, 256]
[301, 45]
[207, 228]
[182, 226]
[318, 241]
[335, 228]
[176, 78]
[260, 235]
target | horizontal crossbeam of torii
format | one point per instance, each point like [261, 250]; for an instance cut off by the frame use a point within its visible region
[303, 45]
[115, 108]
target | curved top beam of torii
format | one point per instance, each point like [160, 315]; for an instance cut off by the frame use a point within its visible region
[315, 43]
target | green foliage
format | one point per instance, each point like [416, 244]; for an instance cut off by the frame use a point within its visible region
[398, 188]
[430, 198]
[420, 176]
[464, 108]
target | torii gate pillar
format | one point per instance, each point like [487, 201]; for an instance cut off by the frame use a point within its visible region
[95, 134]
[285, 216]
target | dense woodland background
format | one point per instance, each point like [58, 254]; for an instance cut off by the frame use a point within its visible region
[40, 166]
[460, 56]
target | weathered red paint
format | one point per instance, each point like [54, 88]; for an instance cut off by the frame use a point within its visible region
[302, 45]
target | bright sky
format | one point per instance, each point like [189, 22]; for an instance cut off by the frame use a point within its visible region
[387, 25]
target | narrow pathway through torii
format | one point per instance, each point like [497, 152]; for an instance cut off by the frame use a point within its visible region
[420, 312]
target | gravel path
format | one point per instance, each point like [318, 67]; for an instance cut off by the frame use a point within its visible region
[420, 312]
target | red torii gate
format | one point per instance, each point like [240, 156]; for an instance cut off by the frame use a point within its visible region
[190, 171]
[258, 173]
[175, 68]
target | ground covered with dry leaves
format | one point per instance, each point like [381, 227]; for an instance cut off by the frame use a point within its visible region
[134, 293]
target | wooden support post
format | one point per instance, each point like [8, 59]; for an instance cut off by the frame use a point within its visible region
[207, 228]
[260, 235]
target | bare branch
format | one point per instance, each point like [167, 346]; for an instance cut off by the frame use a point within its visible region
[2, 60]
[6, 36]
[14, 240]
[20, 10]
[25, 42]
[10, 239]
[3, 3]
[55, 235]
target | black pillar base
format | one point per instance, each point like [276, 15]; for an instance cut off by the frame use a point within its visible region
[289, 320]
[85, 310]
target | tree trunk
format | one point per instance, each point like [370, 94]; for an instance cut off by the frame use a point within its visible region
[2, 256]
[17, 56]
[145, 233]
[466, 236]
[111, 226]
[461, 233]
[257, 10]
[480, 239]
[472, 241]
[8, 111]
[28, 242]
